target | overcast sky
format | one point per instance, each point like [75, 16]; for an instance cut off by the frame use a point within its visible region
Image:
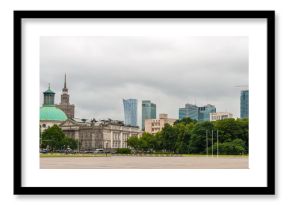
[170, 72]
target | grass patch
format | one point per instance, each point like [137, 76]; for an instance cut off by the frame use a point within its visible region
[72, 155]
[46, 155]
[221, 155]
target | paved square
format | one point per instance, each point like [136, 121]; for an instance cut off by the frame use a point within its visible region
[133, 162]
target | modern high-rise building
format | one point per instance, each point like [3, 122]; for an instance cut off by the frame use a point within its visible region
[190, 111]
[65, 105]
[244, 104]
[148, 111]
[196, 113]
[204, 112]
[130, 111]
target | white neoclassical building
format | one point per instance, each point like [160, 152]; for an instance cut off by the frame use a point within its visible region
[220, 116]
[104, 134]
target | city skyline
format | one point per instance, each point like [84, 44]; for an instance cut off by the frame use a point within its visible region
[200, 113]
[101, 71]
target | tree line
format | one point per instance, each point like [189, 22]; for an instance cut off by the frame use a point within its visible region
[187, 136]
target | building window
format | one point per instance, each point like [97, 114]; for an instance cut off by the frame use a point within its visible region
[43, 125]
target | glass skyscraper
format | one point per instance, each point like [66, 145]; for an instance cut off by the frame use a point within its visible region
[244, 104]
[204, 112]
[130, 111]
[190, 111]
[196, 113]
[148, 111]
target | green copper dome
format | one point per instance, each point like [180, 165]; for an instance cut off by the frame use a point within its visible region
[52, 113]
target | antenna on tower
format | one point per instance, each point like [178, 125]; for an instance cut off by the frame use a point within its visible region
[64, 80]
[64, 86]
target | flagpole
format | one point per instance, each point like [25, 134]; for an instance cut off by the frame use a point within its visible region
[212, 143]
[217, 143]
[206, 145]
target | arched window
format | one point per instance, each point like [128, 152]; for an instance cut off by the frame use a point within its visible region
[44, 125]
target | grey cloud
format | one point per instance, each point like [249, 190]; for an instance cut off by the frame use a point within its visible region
[169, 71]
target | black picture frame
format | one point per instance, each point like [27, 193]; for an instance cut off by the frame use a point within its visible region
[268, 190]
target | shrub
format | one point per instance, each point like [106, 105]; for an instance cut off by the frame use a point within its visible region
[123, 151]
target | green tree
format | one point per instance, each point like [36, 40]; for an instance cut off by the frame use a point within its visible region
[147, 142]
[168, 138]
[133, 142]
[183, 137]
[55, 139]
[244, 124]
[197, 143]
[237, 146]
[231, 129]
[69, 142]
[185, 120]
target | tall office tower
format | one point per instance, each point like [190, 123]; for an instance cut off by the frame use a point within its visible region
[130, 111]
[190, 111]
[244, 104]
[196, 113]
[148, 111]
[204, 112]
[65, 105]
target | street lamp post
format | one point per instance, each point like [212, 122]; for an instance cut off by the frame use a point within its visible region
[78, 145]
[106, 145]
[212, 143]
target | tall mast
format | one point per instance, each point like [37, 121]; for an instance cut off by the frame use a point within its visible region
[65, 90]
[65, 80]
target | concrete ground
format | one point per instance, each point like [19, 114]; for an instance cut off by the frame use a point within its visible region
[133, 162]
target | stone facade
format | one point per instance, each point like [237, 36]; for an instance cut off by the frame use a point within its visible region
[44, 124]
[104, 134]
[68, 109]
